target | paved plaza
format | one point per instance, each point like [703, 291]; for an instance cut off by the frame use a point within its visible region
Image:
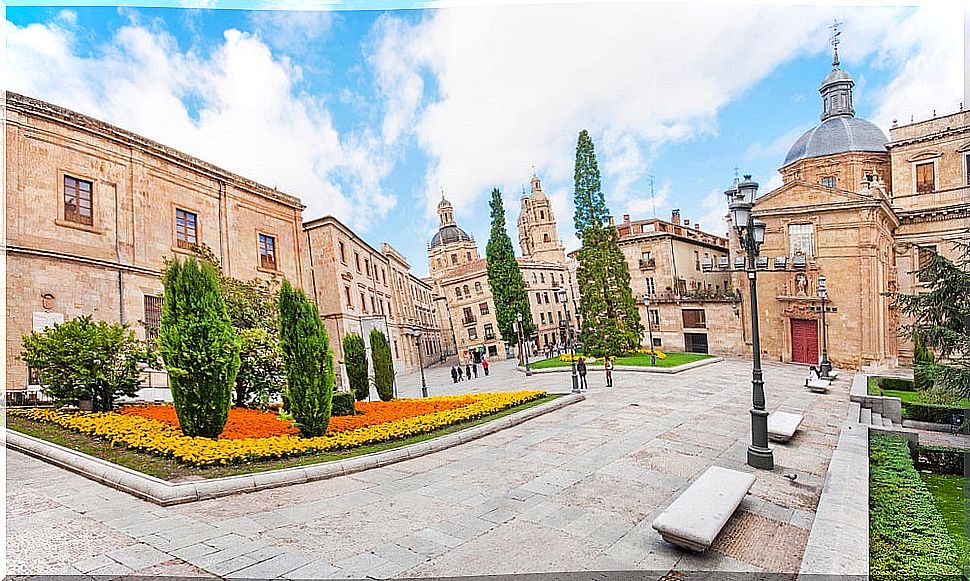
[573, 490]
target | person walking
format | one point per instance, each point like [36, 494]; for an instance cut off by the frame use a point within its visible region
[581, 368]
[475, 369]
[485, 366]
[468, 370]
[608, 366]
[454, 374]
[460, 376]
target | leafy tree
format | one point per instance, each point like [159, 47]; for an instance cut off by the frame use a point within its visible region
[308, 361]
[87, 359]
[380, 352]
[940, 313]
[355, 359]
[261, 377]
[505, 277]
[610, 318]
[254, 310]
[200, 347]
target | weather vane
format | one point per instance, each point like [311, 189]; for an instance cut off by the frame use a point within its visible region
[835, 41]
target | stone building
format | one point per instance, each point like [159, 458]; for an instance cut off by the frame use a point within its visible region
[460, 278]
[358, 288]
[93, 211]
[856, 208]
[684, 272]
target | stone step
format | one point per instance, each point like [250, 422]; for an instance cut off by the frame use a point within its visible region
[876, 419]
[855, 410]
[866, 417]
[887, 422]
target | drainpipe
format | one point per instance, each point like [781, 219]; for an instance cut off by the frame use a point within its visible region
[121, 281]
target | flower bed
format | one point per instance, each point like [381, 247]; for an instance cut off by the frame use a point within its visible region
[157, 436]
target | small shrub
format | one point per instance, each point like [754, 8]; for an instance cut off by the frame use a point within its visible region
[308, 361]
[343, 404]
[908, 538]
[941, 459]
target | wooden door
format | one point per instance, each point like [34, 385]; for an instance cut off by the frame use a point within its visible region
[804, 341]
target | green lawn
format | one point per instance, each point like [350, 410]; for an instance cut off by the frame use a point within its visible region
[947, 490]
[907, 396]
[171, 469]
[638, 360]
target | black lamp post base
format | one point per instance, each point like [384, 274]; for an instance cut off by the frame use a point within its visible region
[761, 458]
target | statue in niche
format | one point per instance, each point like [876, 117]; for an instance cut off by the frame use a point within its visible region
[801, 284]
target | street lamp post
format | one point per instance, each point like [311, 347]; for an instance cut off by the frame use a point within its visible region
[646, 304]
[751, 232]
[568, 337]
[417, 343]
[825, 367]
[522, 350]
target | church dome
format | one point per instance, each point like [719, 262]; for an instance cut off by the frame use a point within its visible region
[838, 135]
[449, 234]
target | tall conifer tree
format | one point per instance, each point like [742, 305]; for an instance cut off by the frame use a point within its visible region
[505, 278]
[611, 321]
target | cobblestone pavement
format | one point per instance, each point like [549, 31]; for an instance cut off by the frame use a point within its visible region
[572, 490]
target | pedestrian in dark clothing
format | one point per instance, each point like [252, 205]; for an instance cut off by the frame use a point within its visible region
[468, 370]
[454, 374]
[485, 366]
[475, 369]
[460, 376]
[581, 369]
[608, 365]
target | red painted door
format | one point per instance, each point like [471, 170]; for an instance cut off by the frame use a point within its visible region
[804, 341]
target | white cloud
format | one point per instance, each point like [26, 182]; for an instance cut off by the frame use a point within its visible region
[489, 91]
[292, 31]
[246, 113]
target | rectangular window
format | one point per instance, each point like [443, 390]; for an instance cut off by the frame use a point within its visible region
[350, 302]
[694, 319]
[483, 307]
[343, 252]
[489, 331]
[373, 305]
[801, 239]
[828, 181]
[153, 316]
[654, 317]
[538, 298]
[651, 286]
[546, 295]
[33, 376]
[357, 260]
[469, 318]
[185, 229]
[966, 167]
[267, 252]
[542, 317]
[78, 202]
[923, 258]
[384, 276]
[363, 303]
[697, 261]
[925, 182]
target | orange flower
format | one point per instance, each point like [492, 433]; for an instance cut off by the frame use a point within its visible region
[242, 422]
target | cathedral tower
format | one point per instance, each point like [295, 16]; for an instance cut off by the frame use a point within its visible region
[538, 237]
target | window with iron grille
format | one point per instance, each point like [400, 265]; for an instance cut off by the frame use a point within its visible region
[925, 178]
[153, 316]
[185, 229]
[267, 252]
[655, 317]
[78, 201]
[483, 308]
[923, 259]
[801, 239]
[651, 286]
[33, 376]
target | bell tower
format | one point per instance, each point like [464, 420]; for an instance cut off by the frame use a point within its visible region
[538, 237]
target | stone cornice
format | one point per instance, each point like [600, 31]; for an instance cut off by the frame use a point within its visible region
[928, 137]
[60, 115]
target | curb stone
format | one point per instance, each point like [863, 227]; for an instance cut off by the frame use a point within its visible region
[633, 368]
[164, 493]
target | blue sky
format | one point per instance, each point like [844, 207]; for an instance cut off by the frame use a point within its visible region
[368, 114]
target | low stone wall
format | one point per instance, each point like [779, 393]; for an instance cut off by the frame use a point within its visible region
[887, 407]
[634, 368]
[166, 493]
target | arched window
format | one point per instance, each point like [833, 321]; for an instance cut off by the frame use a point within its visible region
[465, 289]
[545, 237]
[542, 277]
[478, 287]
[534, 278]
[542, 214]
[458, 292]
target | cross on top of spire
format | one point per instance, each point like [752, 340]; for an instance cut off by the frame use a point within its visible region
[835, 42]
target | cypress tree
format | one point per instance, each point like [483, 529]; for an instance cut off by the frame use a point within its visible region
[380, 351]
[355, 359]
[505, 277]
[199, 346]
[308, 361]
[610, 318]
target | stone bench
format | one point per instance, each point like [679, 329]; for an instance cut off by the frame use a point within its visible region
[782, 425]
[817, 385]
[696, 517]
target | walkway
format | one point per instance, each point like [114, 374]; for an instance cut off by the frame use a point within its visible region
[569, 491]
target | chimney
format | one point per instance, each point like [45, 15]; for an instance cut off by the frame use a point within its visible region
[675, 216]
[626, 217]
[697, 226]
[686, 222]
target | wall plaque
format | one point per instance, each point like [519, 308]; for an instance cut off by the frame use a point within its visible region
[43, 320]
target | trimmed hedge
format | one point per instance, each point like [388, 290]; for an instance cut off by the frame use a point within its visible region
[941, 459]
[927, 412]
[908, 538]
[343, 404]
[895, 383]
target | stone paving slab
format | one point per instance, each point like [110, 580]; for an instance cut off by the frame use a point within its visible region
[573, 490]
